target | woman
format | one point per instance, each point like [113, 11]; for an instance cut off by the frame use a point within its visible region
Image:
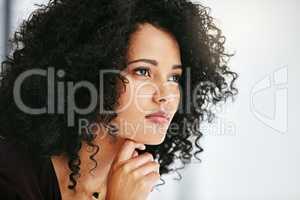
[94, 133]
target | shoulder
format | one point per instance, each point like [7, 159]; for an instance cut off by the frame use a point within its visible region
[17, 172]
[12, 155]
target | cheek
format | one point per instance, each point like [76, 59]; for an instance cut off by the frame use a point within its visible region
[129, 100]
[124, 99]
[175, 93]
[142, 100]
[144, 88]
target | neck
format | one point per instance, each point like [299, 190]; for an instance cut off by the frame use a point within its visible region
[95, 180]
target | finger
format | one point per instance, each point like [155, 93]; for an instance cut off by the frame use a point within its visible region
[135, 154]
[151, 179]
[127, 150]
[147, 168]
[139, 160]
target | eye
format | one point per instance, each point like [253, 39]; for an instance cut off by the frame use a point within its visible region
[176, 77]
[143, 70]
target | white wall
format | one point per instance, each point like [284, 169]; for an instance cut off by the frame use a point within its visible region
[2, 26]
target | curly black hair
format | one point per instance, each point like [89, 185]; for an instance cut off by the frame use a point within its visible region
[82, 37]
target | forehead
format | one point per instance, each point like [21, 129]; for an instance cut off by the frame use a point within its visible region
[153, 43]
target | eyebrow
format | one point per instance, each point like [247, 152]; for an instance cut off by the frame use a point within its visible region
[153, 62]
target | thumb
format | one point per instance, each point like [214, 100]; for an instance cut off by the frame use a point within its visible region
[127, 150]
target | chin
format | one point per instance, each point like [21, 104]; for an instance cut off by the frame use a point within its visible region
[151, 140]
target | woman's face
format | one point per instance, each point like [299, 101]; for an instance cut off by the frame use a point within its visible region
[153, 71]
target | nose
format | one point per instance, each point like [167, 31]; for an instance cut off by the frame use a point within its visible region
[161, 95]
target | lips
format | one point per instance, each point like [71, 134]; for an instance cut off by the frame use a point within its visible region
[158, 117]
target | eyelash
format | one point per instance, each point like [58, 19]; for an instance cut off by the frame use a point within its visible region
[178, 76]
[142, 68]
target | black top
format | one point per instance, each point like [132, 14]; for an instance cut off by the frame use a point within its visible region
[25, 178]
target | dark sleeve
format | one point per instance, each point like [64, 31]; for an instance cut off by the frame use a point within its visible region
[7, 191]
[18, 180]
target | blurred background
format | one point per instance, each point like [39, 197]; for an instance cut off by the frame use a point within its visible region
[251, 150]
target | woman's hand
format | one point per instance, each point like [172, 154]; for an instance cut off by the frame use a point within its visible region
[132, 176]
